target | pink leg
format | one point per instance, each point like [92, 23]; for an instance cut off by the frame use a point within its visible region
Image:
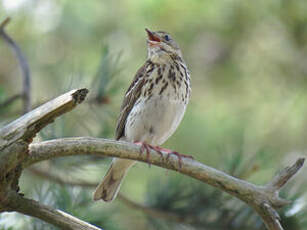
[158, 149]
[175, 153]
[147, 147]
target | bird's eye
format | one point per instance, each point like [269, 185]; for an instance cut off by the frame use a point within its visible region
[166, 37]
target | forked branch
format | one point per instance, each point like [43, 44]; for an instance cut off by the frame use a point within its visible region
[264, 199]
[14, 147]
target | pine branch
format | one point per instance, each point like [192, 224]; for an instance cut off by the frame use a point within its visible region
[156, 213]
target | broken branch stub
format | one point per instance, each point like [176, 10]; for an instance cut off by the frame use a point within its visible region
[15, 137]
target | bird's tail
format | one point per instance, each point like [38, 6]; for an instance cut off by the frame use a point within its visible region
[107, 190]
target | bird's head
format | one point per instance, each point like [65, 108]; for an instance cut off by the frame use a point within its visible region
[161, 45]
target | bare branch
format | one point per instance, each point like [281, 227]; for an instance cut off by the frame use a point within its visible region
[86, 145]
[259, 197]
[283, 177]
[29, 124]
[24, 66]
[53, 216]
[15, 137]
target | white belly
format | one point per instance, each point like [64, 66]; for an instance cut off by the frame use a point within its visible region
[155, 120]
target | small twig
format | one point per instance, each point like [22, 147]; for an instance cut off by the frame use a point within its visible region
[53, 216]
[283, 177]
[24, 66]
[10, 100]
[266, 210]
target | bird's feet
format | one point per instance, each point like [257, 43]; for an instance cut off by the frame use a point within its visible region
[179, 155]
[158, 149]
[147, 147]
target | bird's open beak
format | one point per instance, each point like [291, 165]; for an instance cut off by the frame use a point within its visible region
[152, 37]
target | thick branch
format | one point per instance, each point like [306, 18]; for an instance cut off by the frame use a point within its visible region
[258, 197]
[24, 66]
[22, 130]
[43, 212]
[14, 143]
[28, 125]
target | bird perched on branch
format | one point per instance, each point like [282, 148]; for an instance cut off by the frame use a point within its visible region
[152, 108]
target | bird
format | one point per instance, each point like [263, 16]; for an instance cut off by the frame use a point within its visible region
[152, 108]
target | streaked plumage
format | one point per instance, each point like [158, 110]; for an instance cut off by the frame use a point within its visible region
[153, 105]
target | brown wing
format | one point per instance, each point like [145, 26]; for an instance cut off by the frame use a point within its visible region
[130, 98]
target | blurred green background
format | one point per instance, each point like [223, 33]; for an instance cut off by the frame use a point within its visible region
[247, 114]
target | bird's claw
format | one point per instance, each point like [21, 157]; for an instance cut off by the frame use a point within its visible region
[158, 149]
[147, 147]
[179, 156]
